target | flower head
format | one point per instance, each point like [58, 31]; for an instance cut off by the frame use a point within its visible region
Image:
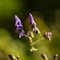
[18, 22]
[33, 24]
[19, 26]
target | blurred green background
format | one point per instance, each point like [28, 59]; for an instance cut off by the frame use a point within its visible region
[47, 17]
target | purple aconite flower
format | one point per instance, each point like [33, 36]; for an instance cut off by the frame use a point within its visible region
[33, 24]
[19, 26]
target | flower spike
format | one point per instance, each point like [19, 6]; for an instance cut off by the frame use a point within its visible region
[33, 24]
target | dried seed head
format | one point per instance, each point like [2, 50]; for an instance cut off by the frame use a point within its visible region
[55, 56]
[11, 56]
[47, 35]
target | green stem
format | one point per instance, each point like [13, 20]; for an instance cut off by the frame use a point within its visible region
[38, 41]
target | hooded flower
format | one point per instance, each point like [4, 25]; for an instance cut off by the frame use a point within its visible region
[19, 26]
[33, 24]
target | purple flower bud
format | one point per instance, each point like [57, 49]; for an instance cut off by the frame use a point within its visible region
[19, 26]
[32, 22]
[11, 56]
[55, 56]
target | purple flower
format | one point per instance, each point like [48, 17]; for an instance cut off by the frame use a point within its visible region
[19, 26]
[33, 24]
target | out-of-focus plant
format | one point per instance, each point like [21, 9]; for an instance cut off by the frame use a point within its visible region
[44, 56]
[30, 36]
[12, 57]
[55, 56]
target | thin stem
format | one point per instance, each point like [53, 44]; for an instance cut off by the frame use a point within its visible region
[33, 55]
[38, 41]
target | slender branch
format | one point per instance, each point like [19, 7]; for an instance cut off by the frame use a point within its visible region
[38, 41]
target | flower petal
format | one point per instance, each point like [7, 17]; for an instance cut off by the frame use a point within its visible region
[22, 33]
[31, 19]
[17, 21]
